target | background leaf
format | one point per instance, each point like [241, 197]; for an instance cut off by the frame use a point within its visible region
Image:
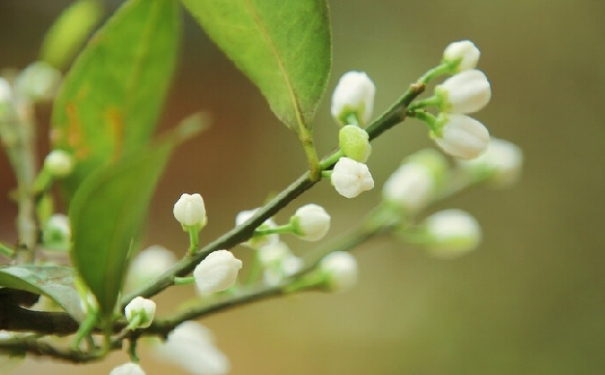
[107, 214]
[55, 282]
[69, 31]
[110, 99]
[284, 47]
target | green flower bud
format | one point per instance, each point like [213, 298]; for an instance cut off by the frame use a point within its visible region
[355, 143]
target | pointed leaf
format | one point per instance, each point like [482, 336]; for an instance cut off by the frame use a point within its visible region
[57, 283]
[111, 97]
[284, 47]
[106, 215]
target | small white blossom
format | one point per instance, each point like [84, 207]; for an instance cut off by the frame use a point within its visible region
[464, 51]
[5, 91]
[502, 160]
[354, 142]
[350, 178]
[59, 163]
[257, 242]
[128, 369]
[191, 346]
[142, 308]
[354, 93]
[461, 136]
[312, 222]
[278, 262]
[452, 232]
[149, 264]
[466, 92]
[216, 273]
[38, 81]
[340, 269]
[57, 233]
[190, 210]
[411, 186]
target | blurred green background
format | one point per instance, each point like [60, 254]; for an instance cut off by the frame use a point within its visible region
[530, 301]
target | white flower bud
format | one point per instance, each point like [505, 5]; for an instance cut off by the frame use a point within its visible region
[411, 186]
[59, 163]
[340, 270]
[502, 161]
[257, 242]
[311, 222]
[128, 369]
[5, 91]
[149, 264]
[452, 233]
[353, 94]
[354, 142]
[464, 51]
[279, 262]
[57, 233]
[461, 136]
[466, 92]
[350, 178]
[216, 273]
[38, 81]
[189, 210]
[142, 308]
[191, 346]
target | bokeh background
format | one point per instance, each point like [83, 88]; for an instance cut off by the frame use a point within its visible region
[530, 301]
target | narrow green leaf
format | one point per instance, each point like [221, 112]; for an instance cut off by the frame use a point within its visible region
[57, 283]
[284, 47]
[111, 97]
[69, 31]
[107, 214]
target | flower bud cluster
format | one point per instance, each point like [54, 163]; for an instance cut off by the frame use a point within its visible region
[467, 91]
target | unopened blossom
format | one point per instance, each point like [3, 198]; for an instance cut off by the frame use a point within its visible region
[461, 136]
[190, 210]
[141, 309]
[410, 187]
[340, 270]
[38, 81]
[354, 94]
[216, 273]
[354, 142]
[502, 162]
[311, 222]
[191, 346]
[451, 233]
[57, 233]
[466, 92]
[5, 91]
[149, 264]
[128, 369]
[59, 163]
[350, 178]
[463, 51]
[257, 241]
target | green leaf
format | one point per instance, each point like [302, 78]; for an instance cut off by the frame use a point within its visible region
[284, 47]
[69, 31]
[107, 214]
[57, 283]
[111, 97]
